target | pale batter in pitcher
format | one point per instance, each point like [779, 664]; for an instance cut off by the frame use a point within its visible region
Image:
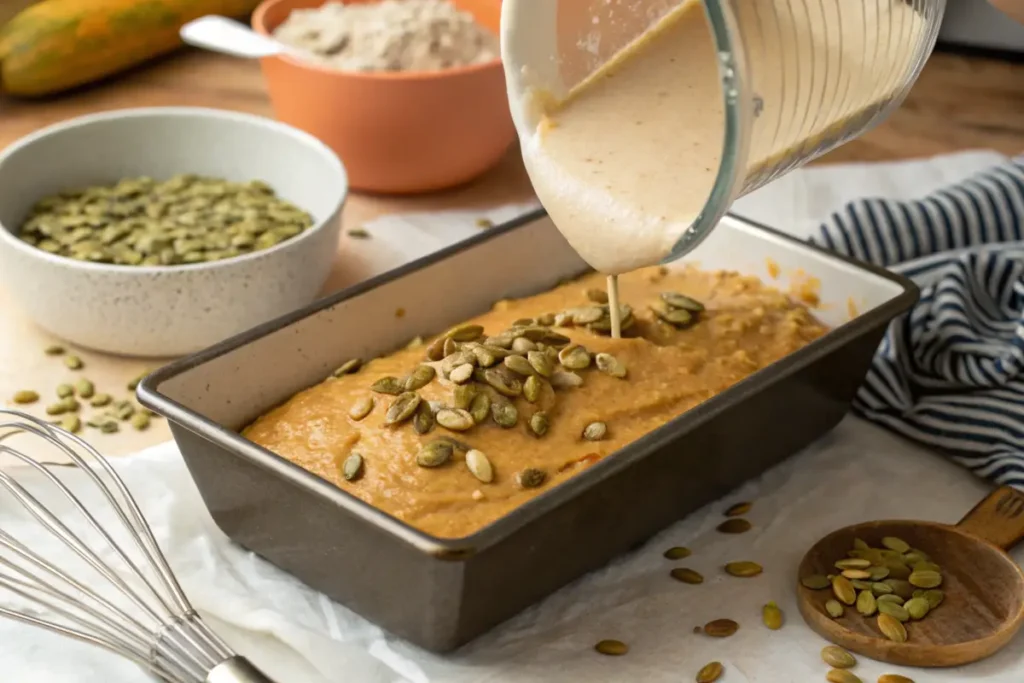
[627, 161]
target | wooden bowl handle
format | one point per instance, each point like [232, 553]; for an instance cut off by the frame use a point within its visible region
[998, 519]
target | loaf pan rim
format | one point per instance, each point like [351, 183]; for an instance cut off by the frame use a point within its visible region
[458, 549]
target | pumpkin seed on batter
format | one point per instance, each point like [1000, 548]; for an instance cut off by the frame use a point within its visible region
[348, 367]
[815, 582]
[435, 350]
[574, 357]
[435, 453]
[738, 509]
[743, 569]
[891, 628]
[677, 317]
[837, 657]
[522, 345]
[610, 365]
[598, 296]
[834, 608]
[681, 301]
[771, 615]
[541, 363]
[465, 333]
[565, 379]
[402, 408]
[842, 676]
[504, 413]
[612, 648]
[587, 315]
[539, 423]
[519, 365]
[721, 628]
[710, 673]
[677, 553]
[530, 478]
[532, 388]
[25, 396]
[479, 466]
[464, 395]
[595, 431]
[423, 419]
[844, 590]
[388, 385]
[352, 467]
[455, 419]
[502, 382]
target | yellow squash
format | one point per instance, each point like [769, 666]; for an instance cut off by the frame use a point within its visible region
[59, 44]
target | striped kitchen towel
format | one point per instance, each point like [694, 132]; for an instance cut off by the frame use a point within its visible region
[950, 373]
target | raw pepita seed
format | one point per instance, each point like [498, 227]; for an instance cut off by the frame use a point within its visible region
[435, 349]
[897, 544]
[53, 350]
[687, 575]
[610, 365]
[85, 388]
[58, 408]
[739, 509]
[504, 413]
[880, 588]
[861, 585]
[435, 453]
[842, 676]
[565, 379]
[902, 588]
[925, 565]
[677, 553]
[352, 468]
[595, 431]
[925, 579]
[532, 388]
[140, 421]
[362, 407]
[423, 420]
[73, 363]
[743, 569]
[26, 396]
[917, 608]
[530, 478]
[72, 424]
[834, 608]
[402, 408]
[100, 400]
[574, 357]
[519, 365]
[878, 573]
[503, 383]
[522, 345]
[893, 610]
[856, 574]
[934, 598]
[421, 377]
[347, 368]
[735, 525]
[479, 466]
[455, 419]
[480, 408]
[891, 628]
[388, 385]
[771, 615]
[461, 374]
[816, 582]
[541, 363]
[866, 603]
[721, 628]
[65, 390]
[844, 590]
[837, 657]
[710, 672]
[106, 425]
[359, 234]
[612, 648]
[852, 563]
[891, 597]
[539, 423]
[681, 301]
[464, 394]
[134, 382]
[122, 410]
[894, 678]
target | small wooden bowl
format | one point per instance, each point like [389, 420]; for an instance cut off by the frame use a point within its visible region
[984, 588]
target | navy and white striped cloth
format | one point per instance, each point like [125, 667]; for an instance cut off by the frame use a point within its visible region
[950, 373]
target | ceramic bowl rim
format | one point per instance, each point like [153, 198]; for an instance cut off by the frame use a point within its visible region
[259, 25]
[7, 235]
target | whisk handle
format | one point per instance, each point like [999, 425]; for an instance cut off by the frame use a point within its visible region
[236, 670]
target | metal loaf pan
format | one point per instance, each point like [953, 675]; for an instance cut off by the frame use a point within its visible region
[441, 593]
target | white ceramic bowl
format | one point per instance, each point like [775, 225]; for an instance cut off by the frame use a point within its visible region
[166, 311]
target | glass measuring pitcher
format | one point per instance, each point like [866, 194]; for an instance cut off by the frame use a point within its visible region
[756, 88]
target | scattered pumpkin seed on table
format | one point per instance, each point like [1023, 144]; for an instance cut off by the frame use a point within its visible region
[738, 509]
[140, 421]
[73, 362]
[721, 628]
[687, 575]
[145, 222]
[53, 350]
[842, 676]
[743, 569]
[677, 553]
[771, 615]
[837, 657]
[613, 648]
[736, 525]
[894, 678]
[710, 673]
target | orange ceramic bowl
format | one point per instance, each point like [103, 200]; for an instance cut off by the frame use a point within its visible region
[395, 132]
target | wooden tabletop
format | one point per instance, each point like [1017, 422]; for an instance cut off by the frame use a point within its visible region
[959, 103]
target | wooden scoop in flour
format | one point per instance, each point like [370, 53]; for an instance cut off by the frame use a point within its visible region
[983, 605]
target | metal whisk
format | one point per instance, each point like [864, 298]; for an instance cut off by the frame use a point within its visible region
[121, 594]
